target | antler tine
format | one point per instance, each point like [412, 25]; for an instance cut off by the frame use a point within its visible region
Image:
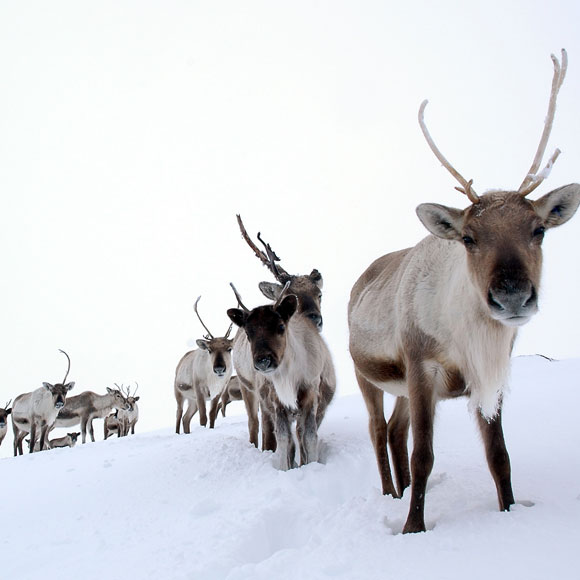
[465, 185]
[268, 259]
[68, 369]
[281, 295]
[533, 178]
[229, 330]
[136, 388]
[209, 335]
[7, 404]
[239, 298]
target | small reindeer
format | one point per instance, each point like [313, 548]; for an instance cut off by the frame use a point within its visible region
[257, 390]
[69, 440]
[127, 418]
[288, 351]
[112, 425]
[439, 320]
[4, 420]
[87, 406]
[202, 374]
[36, 412]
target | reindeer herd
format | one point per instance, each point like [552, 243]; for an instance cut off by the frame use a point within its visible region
[427, 323]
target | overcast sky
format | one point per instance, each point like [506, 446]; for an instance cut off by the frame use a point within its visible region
[131, 133]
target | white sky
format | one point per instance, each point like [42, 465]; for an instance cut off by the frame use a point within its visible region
[131, 133]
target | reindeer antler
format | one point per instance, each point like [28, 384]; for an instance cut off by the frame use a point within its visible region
[239, 298]
[269, 259]
[533, 178]
[68, 369]
[209, 335]
[136, 388]
[465, 185]
[7, 404]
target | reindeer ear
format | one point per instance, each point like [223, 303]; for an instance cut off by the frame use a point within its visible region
[136, 398]
[47, 386]
[70, 385]
[558, 206]
[237, 316]
[8, 411]
[110, 391]
[202, 344]
[270, 290]
[316, 277]
[287, 307]
[442, 221]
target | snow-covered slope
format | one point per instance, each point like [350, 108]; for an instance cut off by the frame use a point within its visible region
[209, 506]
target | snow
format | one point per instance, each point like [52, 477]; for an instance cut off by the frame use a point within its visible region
[208, 505]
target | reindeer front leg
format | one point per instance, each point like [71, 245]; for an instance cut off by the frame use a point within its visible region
[32, 437]
[250, 399]
[285, 442]
[91, 430]
[84, 422]
[200, 398]
[213, 411]
[306, 427]
[497, 458]
[422, 407]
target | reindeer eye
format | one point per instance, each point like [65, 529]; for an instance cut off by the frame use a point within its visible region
[539, 232]
[468, 241]
[230, 349]
[281, 328]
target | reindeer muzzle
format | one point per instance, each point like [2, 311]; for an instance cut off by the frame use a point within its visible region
[59, 405]
[219, 371]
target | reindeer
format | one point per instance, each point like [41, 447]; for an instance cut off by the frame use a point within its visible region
[4, 420]
[289, 352]
[127, 417]
[439, 320]
[36, 412]
[112, 425]
[69, 440]
[88, 406]
[257, 390]
[202, 374]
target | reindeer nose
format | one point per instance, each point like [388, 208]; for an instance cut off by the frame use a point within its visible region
[263, 363]
[512, 299]
[219, 370]
[316, 319]
[59, 405]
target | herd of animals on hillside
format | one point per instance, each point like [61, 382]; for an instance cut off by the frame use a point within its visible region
[426, 323]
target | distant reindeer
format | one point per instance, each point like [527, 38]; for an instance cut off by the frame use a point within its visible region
[439, 320]
[128, 417]
[112, 425]
[69, 440]
[257, 390]
[87, 406]
[288, 351]
[4, 420]
[36, 412]
[202, 374]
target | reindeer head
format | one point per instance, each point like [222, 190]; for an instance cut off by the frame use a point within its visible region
[218, 349]
[266, 329]
[502, 231]
[119, 398]
[4, 414]
[307, 288]
[59, 391]
[73, 438]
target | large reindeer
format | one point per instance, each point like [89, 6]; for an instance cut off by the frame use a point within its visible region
[289, 352]
[36, 412]
[202, 374]
[439, 320]
[87, 406]
[256, 389]
[4, 420]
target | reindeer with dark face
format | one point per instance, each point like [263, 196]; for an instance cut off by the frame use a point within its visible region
[36, 412]
[202, 374]
[439, 320]
[288, 351]
[257, 391]
[4, 420]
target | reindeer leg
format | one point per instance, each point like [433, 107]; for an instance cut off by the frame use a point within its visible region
[179, 413]
[422, 406]
[497, 458]
[84, 421]
[91, 430]
[373, 398]
[191, 411]
[286, 448]
[268, 429]
[32, 436]
[201, 406]
[398, 433]
[44, 437]
[213, 411]
[224, 402]
[251, 402]
[306, 428]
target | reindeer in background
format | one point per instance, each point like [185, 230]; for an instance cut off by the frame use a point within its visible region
[36, 412]
[439, 320]
[257, 391]
[202, 374]
[4, 420]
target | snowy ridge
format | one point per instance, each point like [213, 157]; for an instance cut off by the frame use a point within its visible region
[210, 506]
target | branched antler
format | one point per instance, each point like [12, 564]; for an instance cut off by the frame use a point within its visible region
[239, 298]
[68, 369]
[533, 178]
[269, 259]
[209, 335]
[465, 185]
